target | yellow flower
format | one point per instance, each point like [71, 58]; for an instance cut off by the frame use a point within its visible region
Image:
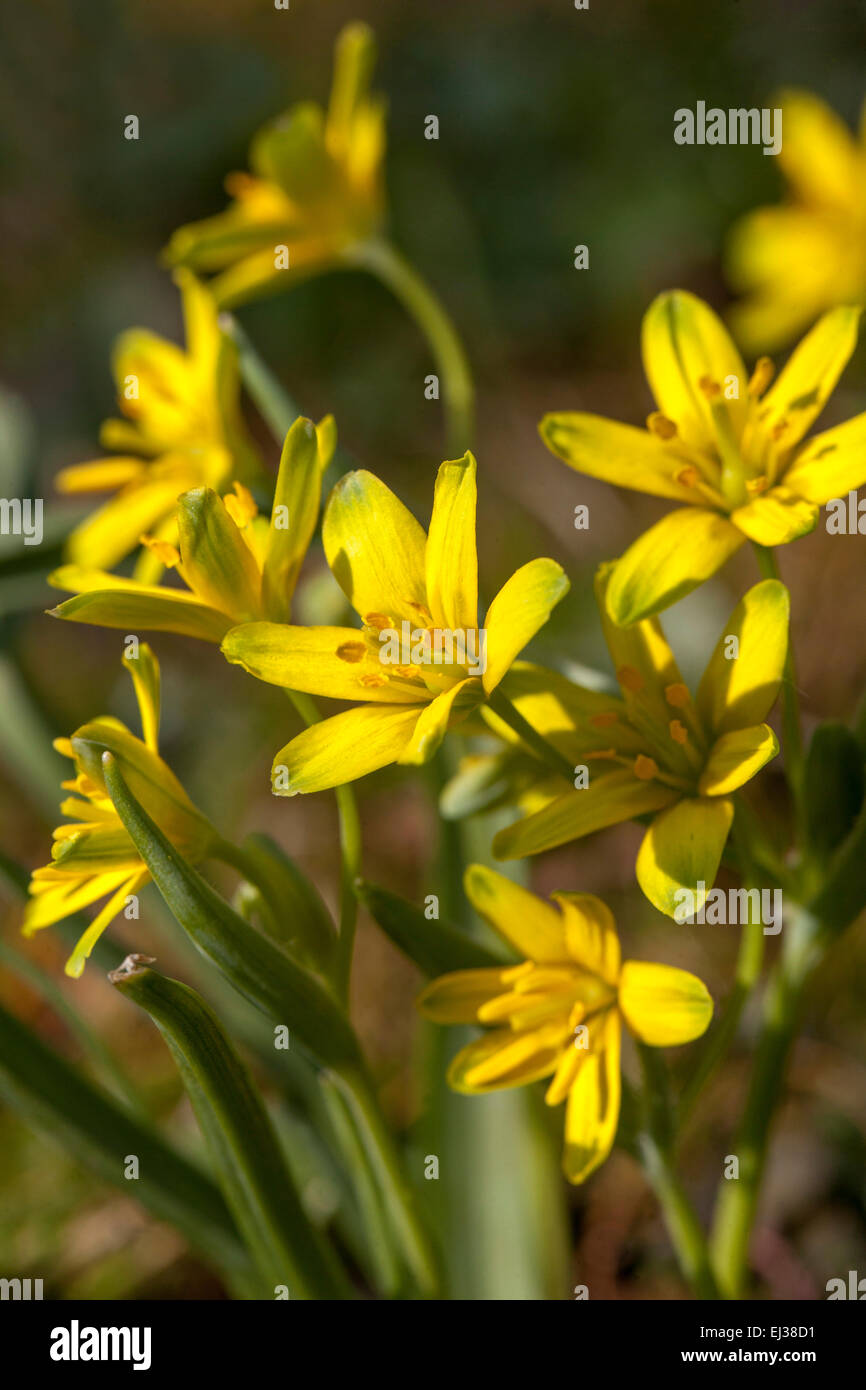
[559, 1014]
[733, 454]
[658, 752]
[809, 254]
[182, 430]
[315, 189]
[94, 856]
[236, 565]
[420, 661]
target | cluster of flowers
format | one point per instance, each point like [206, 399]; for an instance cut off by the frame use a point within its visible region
[730, 449]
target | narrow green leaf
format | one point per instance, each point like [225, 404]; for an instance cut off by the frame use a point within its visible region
[297, 917]
[72, 1111]
[246, 1156]
[435, 947]
[252, 963]
[834, 785]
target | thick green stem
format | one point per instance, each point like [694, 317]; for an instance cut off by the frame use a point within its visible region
[381, 259]
[655, 1146]
[538, 745]
[738, 1196]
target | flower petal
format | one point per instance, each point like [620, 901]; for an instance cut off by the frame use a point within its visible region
[132, 607]
[376, 549]
[110, 533]
[297, 496]
[217, 563]
[669, 560]
[503, 1058]
[435, 717]
[457, 997]
[663, 1006]
[809, 377]
[522, 606]
[682, 849]
[819, 154]
[308, 659]
[528, 923]
[592, 1112]
[99, 475]
[742, 678]
[610, 798]
[451, 558]
[684, 341]
[590, 932]
[735, 758]
[74, 966]
[144, 671]
[616, 453]
[776, 517]
[831, 464]
[343, 748]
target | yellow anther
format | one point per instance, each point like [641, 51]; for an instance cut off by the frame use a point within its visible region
[608, 754]
[677, 695]
[378, 620]
[688, 476]
[710, 388]
[679, 733]
[645, 768]
[630, 679]
[660, 425]
[604, 720]
[351, 651]
[373, 679]
[240, 505]
[779, 429]
[755, 486]
[761, 376]
[168, 554]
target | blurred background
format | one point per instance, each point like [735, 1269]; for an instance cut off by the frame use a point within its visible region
[556, 129]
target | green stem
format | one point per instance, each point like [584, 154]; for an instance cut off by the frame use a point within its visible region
[750, 958]
[350, 852]
[386, 1162]
[543, 750]
[274, 403]
[738, 1197]
[791, 727]
[655, 1146]
[381, 259]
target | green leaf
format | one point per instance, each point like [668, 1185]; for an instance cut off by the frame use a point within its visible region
[72, 1111]
[246, 1156]
[256, 967]
[834, 785]
[295, 915]
[435, 947]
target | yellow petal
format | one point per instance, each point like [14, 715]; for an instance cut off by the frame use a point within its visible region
[340, 749]
[141, 607]
[457, 997]
[332, 661]
[434, 719]
[522, 606]
[776, 517]
[742, 678]
[735, 758]
[610, 798]
[528, 923]
[144, 670]
[809, 377]
[112, 531]
[354, 60]
[831, 464]
[88, 939]
[618, 454]
[682, 849]
[451, 557]
[683, 342]
[55, 899]
[217, 563]
[786, 255]
[100, 475]
[297, 496]
[592, 1112]
[668, 561]
[503, 1059]
[591, 934]
[663, 1006]
[376, 549]
[819, 154]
